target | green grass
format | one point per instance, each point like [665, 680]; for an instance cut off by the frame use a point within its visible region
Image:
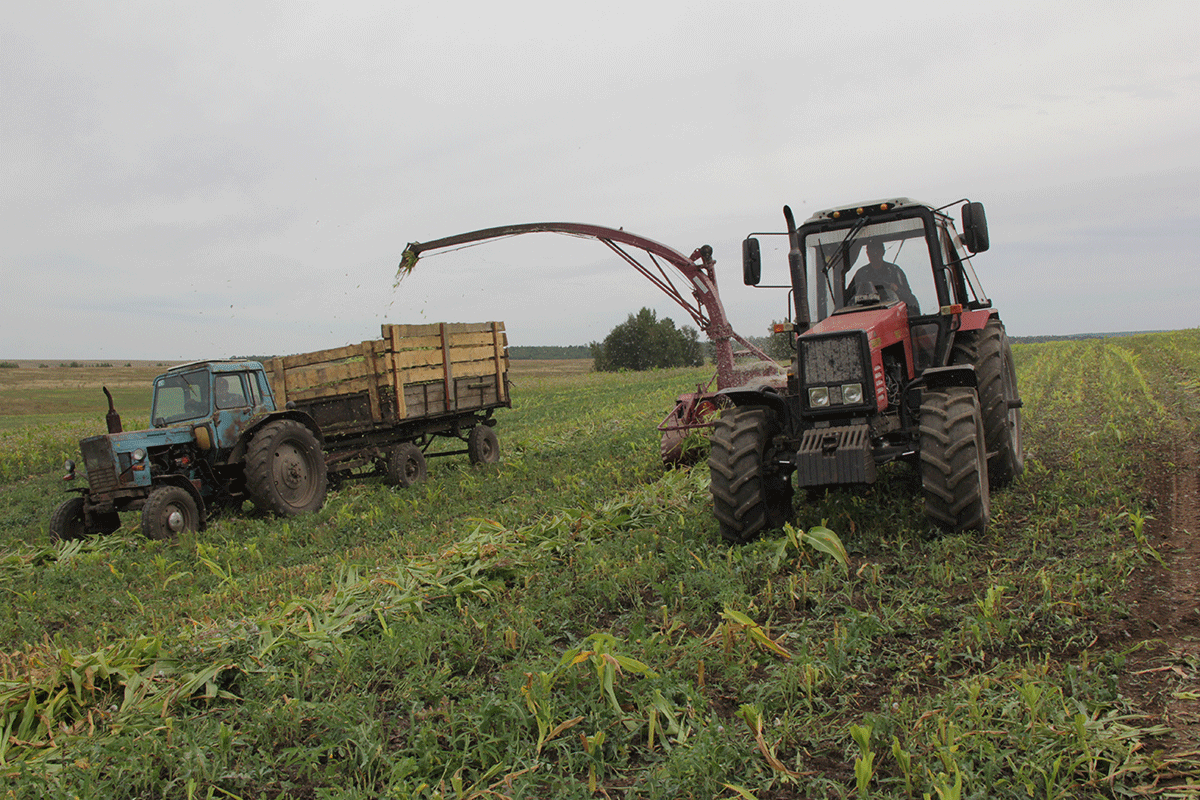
[568, 623]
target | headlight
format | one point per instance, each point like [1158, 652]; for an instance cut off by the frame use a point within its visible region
[139, 456]
[852, 393]
[818, 397]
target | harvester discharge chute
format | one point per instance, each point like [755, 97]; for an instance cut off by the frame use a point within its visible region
[694, 410]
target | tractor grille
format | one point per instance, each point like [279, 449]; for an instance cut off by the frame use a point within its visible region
[833, 359]
[98, 460]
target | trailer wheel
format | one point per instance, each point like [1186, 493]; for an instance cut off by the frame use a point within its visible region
[285, 469]
[67, 522]
[169, 511]
[406, 465]
[954, 460]
[749, 495]
[483, 447]
[989, 351]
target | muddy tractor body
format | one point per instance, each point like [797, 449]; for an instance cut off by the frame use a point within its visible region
[216, 439]
[899, 355]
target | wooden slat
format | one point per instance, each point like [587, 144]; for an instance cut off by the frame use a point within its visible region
[278, 379]
[368, 352]
[314, 392]
[320, 356]
[322, 374]
[447, 368]
[423, 342]
[500, 360]
[458, 355]
[392, 333]
[471, 369]
[474, 338]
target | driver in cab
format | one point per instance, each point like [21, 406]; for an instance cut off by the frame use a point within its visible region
[883, 278]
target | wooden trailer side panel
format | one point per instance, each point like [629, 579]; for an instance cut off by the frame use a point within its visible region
[412, 372]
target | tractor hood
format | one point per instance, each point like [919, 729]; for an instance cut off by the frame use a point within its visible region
[873, 328]
[122, 460]
[885, 325]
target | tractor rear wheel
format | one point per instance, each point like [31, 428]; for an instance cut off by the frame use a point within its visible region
[285, 469]
[750, 494]
[406, 465]
[169, 511]
[989, 351]
[954, 460]
[483, 446]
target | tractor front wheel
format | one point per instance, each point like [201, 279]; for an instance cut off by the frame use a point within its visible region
[750, 494]
[954, 460]
[169, 511]
[67, 522]
[70, 522]
[285, 469]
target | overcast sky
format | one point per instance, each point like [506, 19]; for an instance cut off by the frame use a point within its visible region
[183, 181]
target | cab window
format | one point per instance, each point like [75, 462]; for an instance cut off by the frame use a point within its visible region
[180, 397]
[229, 391]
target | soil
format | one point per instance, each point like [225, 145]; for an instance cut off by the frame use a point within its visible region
[1162, 676]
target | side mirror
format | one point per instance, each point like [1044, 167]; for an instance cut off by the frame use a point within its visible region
[751, 262]
[975, 229]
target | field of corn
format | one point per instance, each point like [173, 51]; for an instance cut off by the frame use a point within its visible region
[569, 624]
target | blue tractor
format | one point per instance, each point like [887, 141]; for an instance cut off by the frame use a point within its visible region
[216, 440]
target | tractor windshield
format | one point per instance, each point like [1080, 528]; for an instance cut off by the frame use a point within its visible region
[872, 263]
[180, 397]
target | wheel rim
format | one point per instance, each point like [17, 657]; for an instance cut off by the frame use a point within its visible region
[292, 473]
[175, 519]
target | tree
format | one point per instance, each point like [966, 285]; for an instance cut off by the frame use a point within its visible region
[645, 342]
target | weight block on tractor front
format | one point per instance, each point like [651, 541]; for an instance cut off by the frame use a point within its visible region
[835, 455]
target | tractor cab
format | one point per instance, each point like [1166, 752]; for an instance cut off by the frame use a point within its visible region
[886, 254]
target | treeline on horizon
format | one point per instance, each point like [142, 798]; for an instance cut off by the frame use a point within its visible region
[548, 352]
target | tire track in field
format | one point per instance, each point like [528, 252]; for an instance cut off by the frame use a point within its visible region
[1164, 676]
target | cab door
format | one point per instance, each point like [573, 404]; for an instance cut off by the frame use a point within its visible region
[234, 401]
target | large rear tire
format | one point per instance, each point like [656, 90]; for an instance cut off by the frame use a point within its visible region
[169, 511]
[989, 351]
[750, 494]
[285, 469]
[954, 474]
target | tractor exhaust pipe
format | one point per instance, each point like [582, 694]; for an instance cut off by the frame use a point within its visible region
[799, 278]
[112, 418]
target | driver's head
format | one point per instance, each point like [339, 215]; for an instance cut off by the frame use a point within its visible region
[875, 251]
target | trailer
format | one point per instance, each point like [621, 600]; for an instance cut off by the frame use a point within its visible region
[382, 404]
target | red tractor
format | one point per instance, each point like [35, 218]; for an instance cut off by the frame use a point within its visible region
[899, 356]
